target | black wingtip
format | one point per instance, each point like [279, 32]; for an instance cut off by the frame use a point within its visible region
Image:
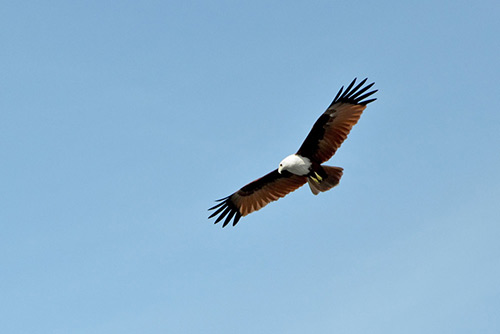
[338, 94]
[354, 95]
[364, 96]
[225, 209]
[369, 101]
[237, 218]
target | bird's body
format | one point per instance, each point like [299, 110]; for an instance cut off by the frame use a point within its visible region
[326, 136]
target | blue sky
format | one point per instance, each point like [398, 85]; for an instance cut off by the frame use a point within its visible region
[121, 122]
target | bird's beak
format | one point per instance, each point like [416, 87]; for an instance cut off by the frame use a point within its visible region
[280, 169]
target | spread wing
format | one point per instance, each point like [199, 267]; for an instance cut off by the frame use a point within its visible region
[255, 195]
[333, 126]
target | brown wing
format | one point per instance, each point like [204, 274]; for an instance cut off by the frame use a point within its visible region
[255, 195]
[333, 126]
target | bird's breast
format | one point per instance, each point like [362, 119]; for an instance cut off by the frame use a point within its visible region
[300, 166]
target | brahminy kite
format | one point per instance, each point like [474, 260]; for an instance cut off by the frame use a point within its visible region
[325, 137]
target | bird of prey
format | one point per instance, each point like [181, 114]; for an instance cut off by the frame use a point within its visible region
[325, 137]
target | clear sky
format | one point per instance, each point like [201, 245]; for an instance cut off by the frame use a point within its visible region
[122, 121]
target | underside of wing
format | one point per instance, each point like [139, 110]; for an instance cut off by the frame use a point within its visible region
[255, 195]
[334, 125]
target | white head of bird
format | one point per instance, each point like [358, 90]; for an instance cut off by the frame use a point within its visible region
[295, 164]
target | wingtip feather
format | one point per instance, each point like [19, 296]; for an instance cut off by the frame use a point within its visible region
[353, 94]
[236, 218]
[228, 218]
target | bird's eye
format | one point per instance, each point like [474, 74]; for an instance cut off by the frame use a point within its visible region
[281, 165]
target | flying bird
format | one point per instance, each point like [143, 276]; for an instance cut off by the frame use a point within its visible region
[325, 137]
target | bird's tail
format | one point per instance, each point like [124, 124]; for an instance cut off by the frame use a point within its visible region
[331, 177]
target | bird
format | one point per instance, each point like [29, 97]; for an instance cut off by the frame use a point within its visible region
[325, 137]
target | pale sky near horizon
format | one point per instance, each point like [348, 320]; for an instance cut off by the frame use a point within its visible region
[122, 122]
